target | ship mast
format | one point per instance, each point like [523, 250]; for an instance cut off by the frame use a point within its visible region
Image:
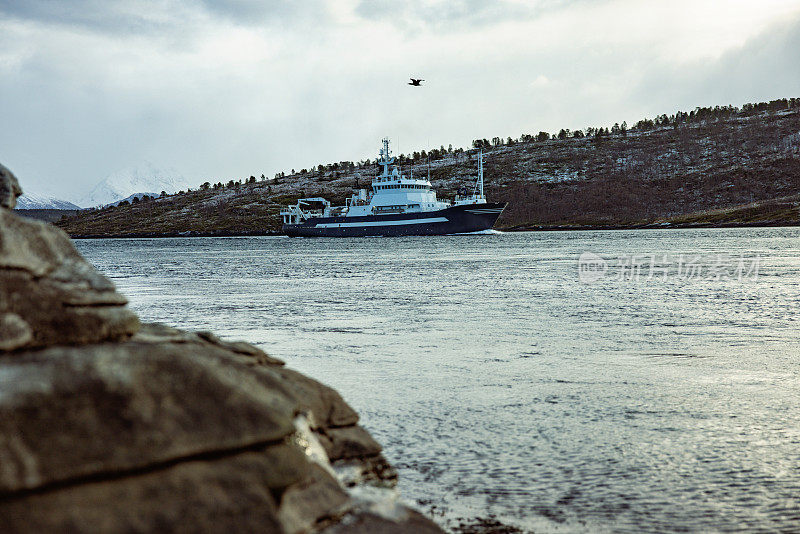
[479, 184]
[385, 160]
[429, 166]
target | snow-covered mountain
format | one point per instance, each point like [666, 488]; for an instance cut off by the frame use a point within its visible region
[141, 178]
[33, 201]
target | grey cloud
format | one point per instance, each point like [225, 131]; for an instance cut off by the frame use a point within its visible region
[144, 16]
[448, 16]
[96, 15]
[259, 11]
[764, 68]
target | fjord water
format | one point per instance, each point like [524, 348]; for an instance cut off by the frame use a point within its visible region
[498, 383]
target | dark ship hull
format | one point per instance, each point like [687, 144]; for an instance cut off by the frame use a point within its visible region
[453, 220]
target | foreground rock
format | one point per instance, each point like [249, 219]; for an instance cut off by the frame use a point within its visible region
[107, 425]
[50, 294]
[9, 189]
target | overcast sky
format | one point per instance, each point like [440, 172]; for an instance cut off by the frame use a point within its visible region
[227, 89]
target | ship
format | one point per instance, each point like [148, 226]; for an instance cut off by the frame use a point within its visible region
[397, 205]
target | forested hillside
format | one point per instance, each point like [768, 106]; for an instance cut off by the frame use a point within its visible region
[721, 165]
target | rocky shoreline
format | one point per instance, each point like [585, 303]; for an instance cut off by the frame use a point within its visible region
[110, 425]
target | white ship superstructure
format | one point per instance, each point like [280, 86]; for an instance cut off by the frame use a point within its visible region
[394, 192]
[397, 205]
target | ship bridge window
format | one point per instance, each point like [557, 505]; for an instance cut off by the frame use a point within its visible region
[381, 209]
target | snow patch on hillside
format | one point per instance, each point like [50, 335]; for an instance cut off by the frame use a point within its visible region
[137, 196]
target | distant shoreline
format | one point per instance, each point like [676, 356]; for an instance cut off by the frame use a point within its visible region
[650, 226]
[148, 235]
[521, 228]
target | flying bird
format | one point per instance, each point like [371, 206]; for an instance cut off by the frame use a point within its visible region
[415, 82]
